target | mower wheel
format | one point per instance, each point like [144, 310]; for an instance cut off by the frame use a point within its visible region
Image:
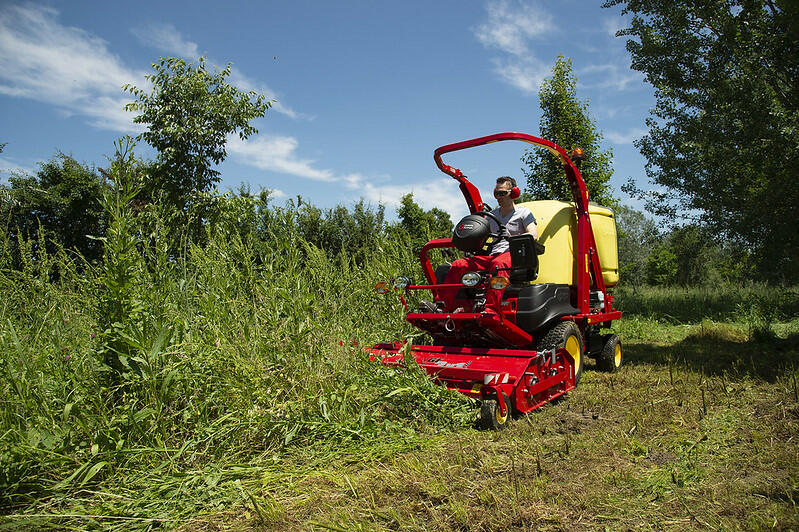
[491, 417]
[566, 334]
[611, 357]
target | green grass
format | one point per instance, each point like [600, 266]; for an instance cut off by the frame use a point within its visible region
[225, 386]
[660, 445]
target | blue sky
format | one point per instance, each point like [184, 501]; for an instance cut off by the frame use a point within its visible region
[365, 91]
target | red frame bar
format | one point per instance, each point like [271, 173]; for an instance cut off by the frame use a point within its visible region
[587, 255]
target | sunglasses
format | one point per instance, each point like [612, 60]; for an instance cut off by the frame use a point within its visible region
[501, 193]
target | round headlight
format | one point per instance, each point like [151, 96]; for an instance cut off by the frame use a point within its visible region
[498, 283]
[471, 279]
[401, 283]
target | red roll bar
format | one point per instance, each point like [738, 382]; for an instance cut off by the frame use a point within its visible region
[587, 255]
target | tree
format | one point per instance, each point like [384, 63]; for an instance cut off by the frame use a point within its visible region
[638, 236]
[63, 198]
[423, 225]
[189, 114]
[566, 122]
[722, 136]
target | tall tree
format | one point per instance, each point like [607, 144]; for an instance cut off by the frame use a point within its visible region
[63, 199]
[420, 224]
[565, 121]
[722, 136]
[189, 113]
[638, 236]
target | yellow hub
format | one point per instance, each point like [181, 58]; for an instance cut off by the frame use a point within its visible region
[573, 347]
[617, 355]
[500, 418]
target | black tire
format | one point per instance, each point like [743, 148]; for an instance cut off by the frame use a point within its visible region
[566, 334]
[491, 417]
[611, 357]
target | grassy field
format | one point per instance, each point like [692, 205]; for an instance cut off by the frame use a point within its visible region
[699, 430]
[227, 389]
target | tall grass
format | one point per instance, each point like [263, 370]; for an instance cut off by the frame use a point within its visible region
[159, 365]
[753, 302]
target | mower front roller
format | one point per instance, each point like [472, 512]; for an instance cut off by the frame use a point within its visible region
[506, 380]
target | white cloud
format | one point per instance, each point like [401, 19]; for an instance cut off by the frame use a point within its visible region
[625, 138]
[278, 154]
[612, 25]
[525, 74]
[611, 76]
[441, 192]
[166, 37]
[244, 83]
[8, 166]
[510, 26]
[42, 60]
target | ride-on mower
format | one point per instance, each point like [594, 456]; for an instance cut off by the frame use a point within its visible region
[554, 306]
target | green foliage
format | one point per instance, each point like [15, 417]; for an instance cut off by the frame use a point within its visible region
[63, 200]
[691, 256]
[740, 302]
[637, 236]
[337, 231]
[189, 114]
[566, 121]
[423, 225]
[154, 365]
[661, 265]
[721, 134]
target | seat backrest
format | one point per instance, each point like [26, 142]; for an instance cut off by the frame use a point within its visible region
[524, 259]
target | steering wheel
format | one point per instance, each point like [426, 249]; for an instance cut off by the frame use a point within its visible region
[496, 236]
[489, 214]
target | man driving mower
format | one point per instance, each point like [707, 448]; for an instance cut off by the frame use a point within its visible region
[517, 221]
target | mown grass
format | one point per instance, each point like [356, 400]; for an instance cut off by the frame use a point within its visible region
[225, 386]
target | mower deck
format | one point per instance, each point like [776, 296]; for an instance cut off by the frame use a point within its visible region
[527, 378]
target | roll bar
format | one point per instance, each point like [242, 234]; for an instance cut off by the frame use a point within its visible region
[472, 194]
[586, 257]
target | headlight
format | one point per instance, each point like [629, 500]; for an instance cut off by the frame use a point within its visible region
[382, 287]
[401, 283]
[498, 283]
[471, 279]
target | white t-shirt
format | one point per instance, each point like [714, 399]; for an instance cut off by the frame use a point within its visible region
[516, 221]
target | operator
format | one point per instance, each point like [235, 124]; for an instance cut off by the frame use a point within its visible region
[517, 221]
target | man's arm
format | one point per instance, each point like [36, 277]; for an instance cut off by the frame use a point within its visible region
[532, 229]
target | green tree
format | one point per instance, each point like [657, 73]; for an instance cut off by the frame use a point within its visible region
[565, 121]
[189, 114]
[63, 199]
[722, 136]
[339, 231]
[661, 265]
[423, 225]
[638, 236]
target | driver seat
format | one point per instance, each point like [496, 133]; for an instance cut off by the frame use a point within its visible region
[524, 251]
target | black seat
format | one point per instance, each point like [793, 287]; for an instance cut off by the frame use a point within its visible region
[524, 251]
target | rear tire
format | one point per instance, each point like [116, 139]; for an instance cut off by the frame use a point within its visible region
[566, 334]
[611, 357]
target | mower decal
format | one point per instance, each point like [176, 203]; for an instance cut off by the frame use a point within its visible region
[441, 363]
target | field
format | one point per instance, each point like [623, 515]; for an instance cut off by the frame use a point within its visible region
[227, 389]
